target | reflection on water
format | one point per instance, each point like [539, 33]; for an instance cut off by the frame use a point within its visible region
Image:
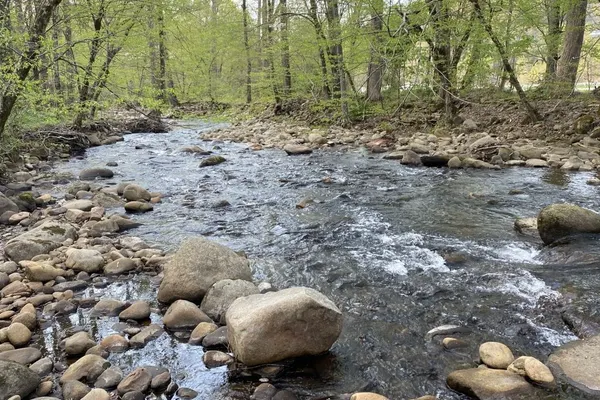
[400, 250]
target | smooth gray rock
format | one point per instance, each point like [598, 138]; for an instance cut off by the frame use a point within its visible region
[16, 380]
[41, 240]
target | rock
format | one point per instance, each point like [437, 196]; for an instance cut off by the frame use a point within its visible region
[108, 307]
[453, 343]
[18, 334]
[37, 272]
[23, 356]
[394, 155]
[41, 240]
[296, 149]
[577, 364]
[137, 381]
[196, 266]
[560, 220]
[195, 150]
[44, 389]
[110, 378]
[212, 160]
[470, 125]
[418, 148]
[135, 192]
[96, 394]
[42, 367]
[102, 228]
[78, 343]
[285, 395]
[186, 393]
[200, 332]
[483, 143]
[8, 267]
[526, 226]
[120, 266]
[495, 355]
[411, 158]
[536, 163]
[18, 217]
[214, 359]
[183, 315]
[13, 288]
[367, 396]
[93, 173]
[138, 206]
[89, 367]
[7, 204]
[16, 380]
[133, 396]
[218, 338]
[139, 310]
[84, 260]
[114, 343]
[220, 296]
[75, 390]
[533, 369]
[81, 205]
[454, 162]
[264, 391]
[489, 384]
[147, 334]
[435, 161]
[262, 328]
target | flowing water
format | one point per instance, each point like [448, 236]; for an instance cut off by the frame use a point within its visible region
[400, 250]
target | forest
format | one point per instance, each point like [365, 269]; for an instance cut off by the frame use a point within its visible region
[66, 61]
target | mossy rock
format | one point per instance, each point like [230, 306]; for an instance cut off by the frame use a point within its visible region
[212, 160]
[584, 124]
[557, 221]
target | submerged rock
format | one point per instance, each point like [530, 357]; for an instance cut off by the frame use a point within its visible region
[265, 328]
[212, 160]
[560, 220]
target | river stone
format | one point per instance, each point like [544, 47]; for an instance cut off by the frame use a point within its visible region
[218, 338]
[367, 396]
[264, 391]
[115, 343]
[120, 266]
[577, 363]
[96, 394]
[41, 240]
[137, 381]
[15, 288]
[495, 355]
[133, 192]
[93, 173]
[147, 334]
[89, 367]
[411, 158]
[139, 310]
[212, 160]
[105, 227]
[296, 149]
[44, 389]
[42, 367]
[23, 356]
[8, 267]
[75, 390]
[559, 220]
[87, 260]
[78, 343]
[161, 381]
[138, 206]
[533, 369]
[220, 296]
[214, 359]
[183, 315]
[263, 328]
[489, 384]
[110, 378]
[108, 307]
[200, 332]
[18, 334]
[187, 393]
[39, 272]
[196, 266]
[81, 205]
[16, 380]
[7, 204]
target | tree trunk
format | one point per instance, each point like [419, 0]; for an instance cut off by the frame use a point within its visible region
[321, 42]
[285, 56]
[574, 32]
[270, 17]
[512, 76]
[248, 60]
[553, 16]
[336, 53]
[441, 53]
[376, 64]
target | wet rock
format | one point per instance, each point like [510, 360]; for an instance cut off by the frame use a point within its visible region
[97, 394]
[200, 332]
[526, 226]
[75, 390]
[560, 220]
[161, 381]
[444, 330]
[139, 310]
[24, 356]
[489, 384]
[133, 192]
[296, 149]
[42, 367]
[454, 162]
[183, 315]
[40, 240]
[264, 391]
[195, 150]
[7, 204]
[120, 266]
[212, 160]
[44, 389]
[137, 381]
[110, 378]
[115, 344]
[147, 334]
[214, 359]
[536, 163]
[78, 343]
[70, 285]
[108, 307]
[86, 260]
[496, 355]
[38, 272]
[186, 393]
[580, 323]
[218, 338]
[133, 396]
[577, 364]
[93, 173]
[532, 369]
[88, 367]
[196, 266]
[124, 223]
[435, 161]
[262, 327]
[18, 334]
[367, 396]
[453, 343]
[103, 228]
[138, 206]
[220, 296]
[411, 158]
[16, 380]
[81, 205]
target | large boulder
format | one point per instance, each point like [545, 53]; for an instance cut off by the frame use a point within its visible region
[489, 384]
[222, 294]
[7, 204]
[16, 380]
[135, 192]
[271, 327]
[93, 173]
[577, 364]
[560, 220]
[40, 240]
[196, 266]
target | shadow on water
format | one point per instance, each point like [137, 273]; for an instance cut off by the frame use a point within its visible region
[400, 250]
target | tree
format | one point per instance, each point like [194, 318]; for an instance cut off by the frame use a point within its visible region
[568, 63]
[376, 63]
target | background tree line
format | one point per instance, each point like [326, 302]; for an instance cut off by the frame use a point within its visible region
[66, 59]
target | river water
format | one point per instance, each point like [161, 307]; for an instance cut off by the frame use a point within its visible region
[400, 250]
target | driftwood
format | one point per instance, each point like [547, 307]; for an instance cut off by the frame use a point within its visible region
[75, 141]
